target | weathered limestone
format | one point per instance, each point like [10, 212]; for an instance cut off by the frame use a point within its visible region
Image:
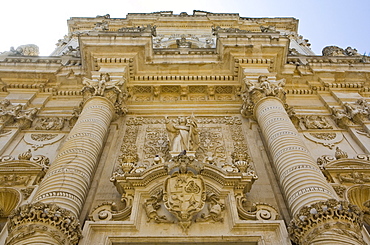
[305, 187]
[67, 182]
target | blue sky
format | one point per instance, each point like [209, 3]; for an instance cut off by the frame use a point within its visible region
[323, 22]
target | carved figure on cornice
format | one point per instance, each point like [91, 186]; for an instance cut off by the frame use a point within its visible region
[331, 215]
[101, 26]
[182, 43]
[53, 219]
[75, 114]
[364, 105]
[216, 30]
[357, 115]
[255, 91]
[341, 117]
[23, 50]
[268, 28]
[50, 123]
[333, 51]
[183, 134]
[351, 52]
[106, 16]
[316, 122]
[25, 119]
[74, 52]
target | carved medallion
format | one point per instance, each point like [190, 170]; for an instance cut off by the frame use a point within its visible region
[326, 139]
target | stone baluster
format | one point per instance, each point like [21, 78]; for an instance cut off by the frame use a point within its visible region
[61, 195]
[300, 178]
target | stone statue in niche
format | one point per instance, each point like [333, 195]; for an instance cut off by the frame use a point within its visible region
[183, 134]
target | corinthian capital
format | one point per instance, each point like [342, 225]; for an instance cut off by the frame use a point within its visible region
[255, 91]
[113, 90]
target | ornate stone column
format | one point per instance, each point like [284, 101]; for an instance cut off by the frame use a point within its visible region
[300, 178]
[61, 195]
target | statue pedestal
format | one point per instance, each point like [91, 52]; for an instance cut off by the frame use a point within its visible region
[188, 153]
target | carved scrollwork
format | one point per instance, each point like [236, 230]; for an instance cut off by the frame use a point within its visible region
[326, 139]
[215, 209]
[61, 221]
[312, 220]
[258, 211]
[40, 140]
[108, 211]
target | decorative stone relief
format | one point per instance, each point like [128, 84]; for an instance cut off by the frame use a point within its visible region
[312, 221]
[140, 29]
[216, 30]
[340, 190]
[184, 192]
[9, 199]
[315, 122]
[255, 91]
[336, 51]
[108, 211]
[40, 140]
[326, 139]
[105, 87]
[28, 219]
[23, 50]
[184, 41]
[49, 123]
[356, 113]
[13, 115]
[257, 211]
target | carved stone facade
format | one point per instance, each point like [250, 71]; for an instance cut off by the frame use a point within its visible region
[166, 128]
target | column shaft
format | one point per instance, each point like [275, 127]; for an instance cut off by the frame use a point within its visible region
[301, 179]
[67, 181]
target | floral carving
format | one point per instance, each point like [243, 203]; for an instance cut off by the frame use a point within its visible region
[312, 220]
[59, 220]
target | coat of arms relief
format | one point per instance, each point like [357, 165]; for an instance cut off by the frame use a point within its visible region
[193, 164]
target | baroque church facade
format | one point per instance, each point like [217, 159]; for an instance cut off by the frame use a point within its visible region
[200, 128]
